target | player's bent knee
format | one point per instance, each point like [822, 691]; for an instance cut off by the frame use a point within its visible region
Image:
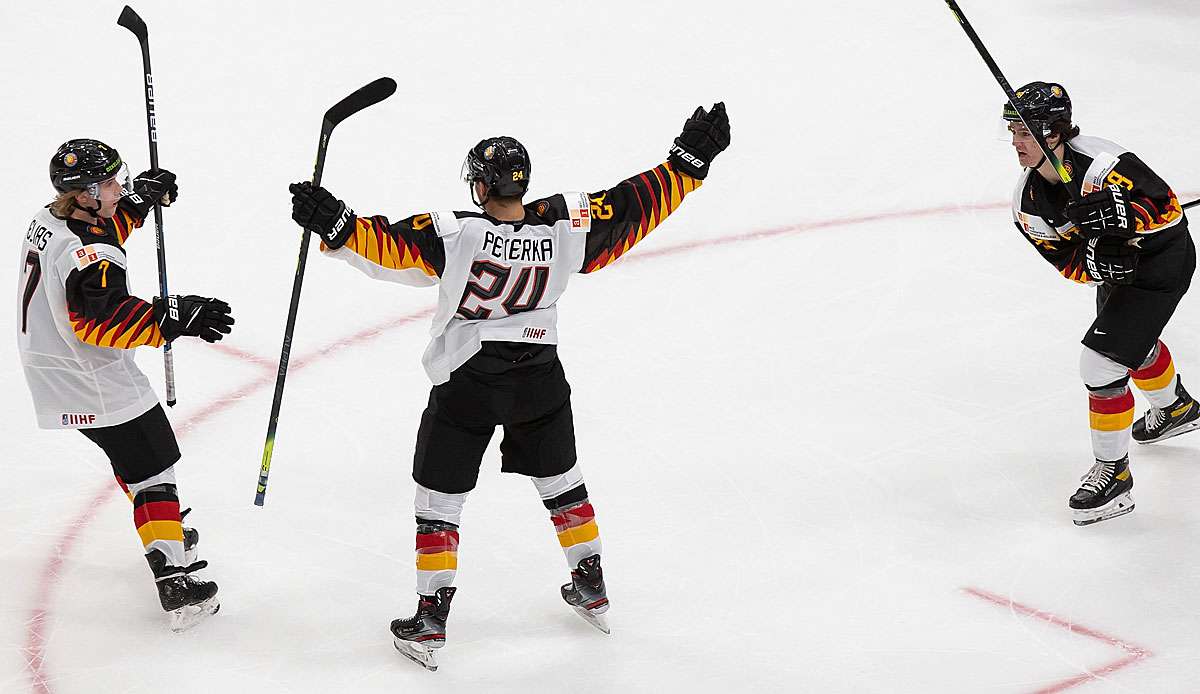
[1099, 373]
[159, 482]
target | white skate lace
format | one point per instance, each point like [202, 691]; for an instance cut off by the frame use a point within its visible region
[1098, 477]
[1155, 418]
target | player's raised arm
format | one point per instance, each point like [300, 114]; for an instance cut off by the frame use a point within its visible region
[408, 251]
[625, 214]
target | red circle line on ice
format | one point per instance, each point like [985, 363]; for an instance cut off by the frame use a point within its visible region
[34, 649]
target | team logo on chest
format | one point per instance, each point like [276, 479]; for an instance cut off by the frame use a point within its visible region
[523, 249]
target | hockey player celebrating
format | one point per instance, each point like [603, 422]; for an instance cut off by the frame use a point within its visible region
[78, 329]
[493, 358]
[1128, 236]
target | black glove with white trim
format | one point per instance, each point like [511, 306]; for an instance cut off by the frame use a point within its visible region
[150, 186]
[704, 136]
[315, 209]
[1112, 259]
[1103, 212]
[193, 316]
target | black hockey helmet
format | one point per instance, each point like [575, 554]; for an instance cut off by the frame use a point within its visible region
[501, 163]
[82, 164]
[1041, 103]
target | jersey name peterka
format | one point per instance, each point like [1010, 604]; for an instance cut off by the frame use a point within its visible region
[518, 250]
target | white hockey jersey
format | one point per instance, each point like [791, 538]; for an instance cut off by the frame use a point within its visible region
[500, 281]
[77, 354]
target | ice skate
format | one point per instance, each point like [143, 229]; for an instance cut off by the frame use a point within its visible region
[187, 601]
[418, 637]
[1160, 424]
[1105, 493]
[585, 593]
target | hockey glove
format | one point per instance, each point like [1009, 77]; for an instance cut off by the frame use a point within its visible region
[1103, 212]
[315, 209]
[154, 185]
[1112, 260]
[193, 316]
[704, 136]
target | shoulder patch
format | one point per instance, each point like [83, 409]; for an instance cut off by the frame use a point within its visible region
[1097, 173]
[96, 252]
[579, 209]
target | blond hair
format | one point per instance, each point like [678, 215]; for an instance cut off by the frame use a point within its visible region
[64, 204]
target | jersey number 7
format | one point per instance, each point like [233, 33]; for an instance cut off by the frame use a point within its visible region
[33, 271]
[488, 281]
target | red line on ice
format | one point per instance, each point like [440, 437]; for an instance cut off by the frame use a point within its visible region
[35, 643]
[243, 355]
[1133, 652]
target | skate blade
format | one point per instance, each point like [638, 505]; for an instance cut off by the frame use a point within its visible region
[1191, 426]
[189, 616]
[595, 619]
[419, 653]
[1119, 506]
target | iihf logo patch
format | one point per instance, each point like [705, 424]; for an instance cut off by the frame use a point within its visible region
[78, 419]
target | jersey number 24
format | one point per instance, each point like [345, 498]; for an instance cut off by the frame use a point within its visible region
[489, 281]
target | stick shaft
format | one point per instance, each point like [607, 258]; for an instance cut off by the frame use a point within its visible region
[1012, 96]
[368, 95]
[130, 20]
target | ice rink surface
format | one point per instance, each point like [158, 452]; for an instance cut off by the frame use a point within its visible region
[829, 413]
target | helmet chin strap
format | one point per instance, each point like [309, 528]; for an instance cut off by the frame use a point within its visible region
[93, 211]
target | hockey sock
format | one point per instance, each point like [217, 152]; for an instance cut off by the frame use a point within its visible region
[437, 555]
[565, 496]
[438, 517]
[1111, 415]
[156, 516]
[1156, 378]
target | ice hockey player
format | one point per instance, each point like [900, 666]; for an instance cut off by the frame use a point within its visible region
[78, 327]
[493, 359]
[1128, 236]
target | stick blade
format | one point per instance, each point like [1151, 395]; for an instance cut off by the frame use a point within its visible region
[368, 95]
[133, 22]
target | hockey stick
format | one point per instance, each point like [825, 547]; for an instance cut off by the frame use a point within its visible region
[369, 95]
[1012, 96]
[131, 21]
[1193, 203]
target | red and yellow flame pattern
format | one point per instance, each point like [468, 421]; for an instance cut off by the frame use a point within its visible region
[640, 204]
[373, 239]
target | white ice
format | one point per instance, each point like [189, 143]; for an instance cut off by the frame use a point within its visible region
[811, 451]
